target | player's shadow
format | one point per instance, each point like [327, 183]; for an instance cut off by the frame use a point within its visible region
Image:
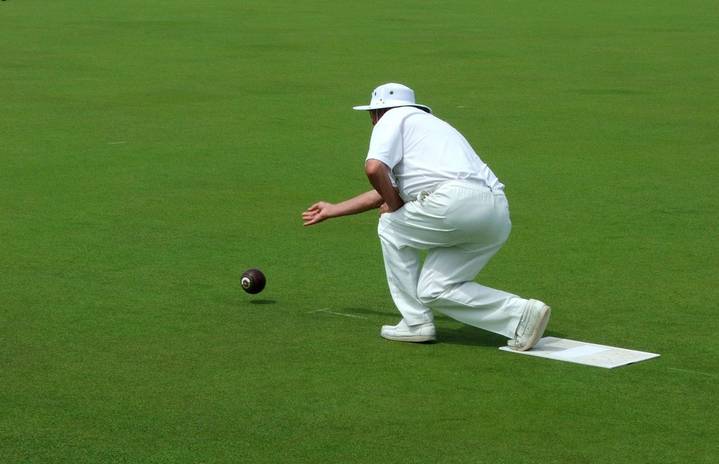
[262, 302]
[447, 329]
[468, 335]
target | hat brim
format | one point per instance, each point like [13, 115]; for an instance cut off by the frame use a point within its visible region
[391, 105]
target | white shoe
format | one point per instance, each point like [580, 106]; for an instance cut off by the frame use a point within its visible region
[409, 333]
[531, 326]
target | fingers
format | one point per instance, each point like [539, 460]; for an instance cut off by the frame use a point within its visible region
[310, 213]
[311, 216]
[314, 214]
[313, 220]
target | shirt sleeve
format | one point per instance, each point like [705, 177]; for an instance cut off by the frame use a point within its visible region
[386, 142]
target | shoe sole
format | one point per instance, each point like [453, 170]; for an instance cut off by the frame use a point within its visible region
[410, 338]
[537, 335]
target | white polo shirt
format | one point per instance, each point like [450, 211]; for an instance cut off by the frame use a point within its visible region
[423, 151]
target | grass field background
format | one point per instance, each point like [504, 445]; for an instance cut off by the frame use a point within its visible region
[152, 151]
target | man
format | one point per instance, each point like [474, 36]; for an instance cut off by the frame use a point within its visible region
[435, 194]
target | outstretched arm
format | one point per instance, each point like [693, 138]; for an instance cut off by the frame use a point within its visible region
[378, 175]
[359, 204]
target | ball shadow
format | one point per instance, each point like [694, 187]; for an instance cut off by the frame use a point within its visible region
[262, 302]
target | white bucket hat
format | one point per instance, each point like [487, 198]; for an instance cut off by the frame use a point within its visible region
[391, 95]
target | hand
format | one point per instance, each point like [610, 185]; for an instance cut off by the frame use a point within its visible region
[384, 208]
[318, 213]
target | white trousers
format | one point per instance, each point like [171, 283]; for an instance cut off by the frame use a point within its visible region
[462, 225]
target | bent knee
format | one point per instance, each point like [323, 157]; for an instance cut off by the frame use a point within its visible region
[428, 293]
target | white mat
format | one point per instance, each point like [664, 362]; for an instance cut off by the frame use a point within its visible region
[591, 354]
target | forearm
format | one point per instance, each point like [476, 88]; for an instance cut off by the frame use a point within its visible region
[322, 210]
[359, 204]
[378, 175]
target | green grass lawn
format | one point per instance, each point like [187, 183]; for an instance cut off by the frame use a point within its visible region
[152, 151]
